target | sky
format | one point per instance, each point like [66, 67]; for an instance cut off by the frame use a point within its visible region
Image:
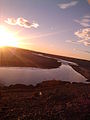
[59, 27]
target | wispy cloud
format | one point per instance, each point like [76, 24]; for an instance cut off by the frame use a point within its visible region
[80, 50]
[84, 21]
[88, 1]
[87, 52]
[67, 5]
[21, 22]
[71, 41]
[84, 36]
[43, 35]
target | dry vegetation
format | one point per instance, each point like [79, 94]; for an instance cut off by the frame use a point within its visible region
[50, 100]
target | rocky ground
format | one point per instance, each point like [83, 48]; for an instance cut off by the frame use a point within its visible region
[49, 100]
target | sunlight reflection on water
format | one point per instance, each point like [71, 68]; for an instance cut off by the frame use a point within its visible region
[23, 75]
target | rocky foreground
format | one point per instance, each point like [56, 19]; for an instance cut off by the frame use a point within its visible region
[49, 100]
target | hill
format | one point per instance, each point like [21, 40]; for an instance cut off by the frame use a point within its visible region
[16, 57]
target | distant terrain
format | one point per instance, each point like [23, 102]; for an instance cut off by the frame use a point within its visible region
[83, 66]
[17, 57]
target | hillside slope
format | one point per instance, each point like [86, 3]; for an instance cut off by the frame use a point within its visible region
[16, 57]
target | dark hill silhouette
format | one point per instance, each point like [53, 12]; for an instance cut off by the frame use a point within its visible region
[17, 57]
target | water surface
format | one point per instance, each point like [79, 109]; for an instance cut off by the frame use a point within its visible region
[23, 75]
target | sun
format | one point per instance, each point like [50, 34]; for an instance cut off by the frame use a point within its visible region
[7, 38]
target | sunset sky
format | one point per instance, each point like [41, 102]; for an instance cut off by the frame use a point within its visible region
[53, 26]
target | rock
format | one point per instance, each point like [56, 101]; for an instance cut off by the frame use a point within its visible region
[87, 80]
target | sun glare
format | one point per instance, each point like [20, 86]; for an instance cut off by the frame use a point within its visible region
[7, 38]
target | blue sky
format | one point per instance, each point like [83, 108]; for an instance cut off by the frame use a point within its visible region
[63, 25]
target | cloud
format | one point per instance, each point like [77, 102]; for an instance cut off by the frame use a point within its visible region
[87, 16]
[21, 22]
[67, 5]
[88, 1]
[87, 52]
[84, 21]
[84, 36]
[80, 50]
[70, 4]
[71, 41]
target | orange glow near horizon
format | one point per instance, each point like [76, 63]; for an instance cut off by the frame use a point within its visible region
[14, 39]
[7, 38]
